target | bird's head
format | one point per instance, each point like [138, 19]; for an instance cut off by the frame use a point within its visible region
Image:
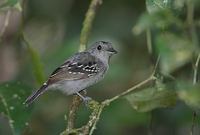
[103, 50]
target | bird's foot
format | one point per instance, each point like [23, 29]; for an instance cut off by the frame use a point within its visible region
[86, 100]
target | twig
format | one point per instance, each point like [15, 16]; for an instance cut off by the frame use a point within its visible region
[108, 101]
[134, 88]
[195, 77]
[151, 78]
[87, 25]
[149, 41]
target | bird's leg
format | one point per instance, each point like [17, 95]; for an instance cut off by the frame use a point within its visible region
[85, 99]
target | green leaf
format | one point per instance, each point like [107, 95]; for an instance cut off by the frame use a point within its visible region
[190, 94]
[175, 51]
[12, 96]
[159, 20]
[160, 5]
[160, 95]
[12, 3]
[157, 5]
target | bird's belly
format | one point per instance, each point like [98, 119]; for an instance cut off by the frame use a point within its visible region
[71, 87]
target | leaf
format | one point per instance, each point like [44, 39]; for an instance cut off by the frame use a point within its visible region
[190, 94]
[157, 5]
[175, 51]
[159, 20]
[12, 96]
[11, 3]
[160, 95]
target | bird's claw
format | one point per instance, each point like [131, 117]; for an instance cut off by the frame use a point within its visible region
[86, 100]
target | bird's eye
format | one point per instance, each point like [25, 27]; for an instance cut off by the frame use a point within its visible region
[99, 47]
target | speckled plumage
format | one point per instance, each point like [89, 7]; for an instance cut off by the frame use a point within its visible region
[79, 72]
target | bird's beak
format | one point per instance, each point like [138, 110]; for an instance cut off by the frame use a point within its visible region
[111, 50]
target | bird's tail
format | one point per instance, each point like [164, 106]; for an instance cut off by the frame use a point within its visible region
[36, 94]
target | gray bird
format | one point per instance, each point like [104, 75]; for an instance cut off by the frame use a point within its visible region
[79, 71]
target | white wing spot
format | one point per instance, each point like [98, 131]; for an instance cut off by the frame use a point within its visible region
[63, 66]
[80, 73]
[74, 63]
[80, 66]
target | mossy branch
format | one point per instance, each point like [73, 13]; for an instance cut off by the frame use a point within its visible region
[87, 25]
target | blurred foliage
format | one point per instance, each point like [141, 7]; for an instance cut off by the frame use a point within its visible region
[156, 96]
[11, 3]
[190, 94]
[175, 51]
[12, 96]
[36, 61]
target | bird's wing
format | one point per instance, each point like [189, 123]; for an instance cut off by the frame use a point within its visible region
[80, 66]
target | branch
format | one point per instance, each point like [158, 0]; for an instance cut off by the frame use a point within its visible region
[87, 25]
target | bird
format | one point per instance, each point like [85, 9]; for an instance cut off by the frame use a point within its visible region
[78, 72]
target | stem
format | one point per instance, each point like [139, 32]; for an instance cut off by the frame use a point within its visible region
[87, 24]
[149, 41]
